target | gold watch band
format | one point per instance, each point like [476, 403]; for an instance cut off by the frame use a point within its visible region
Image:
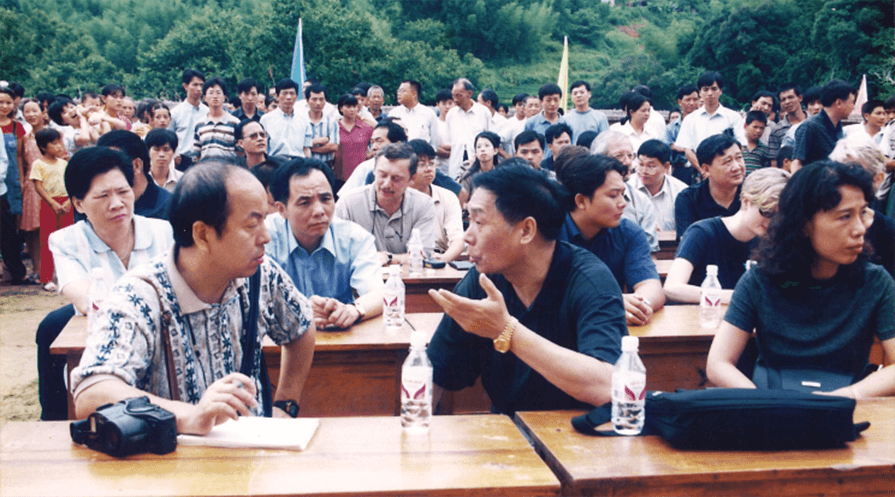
[502, 342]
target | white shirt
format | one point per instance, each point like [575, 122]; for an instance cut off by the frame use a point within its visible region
[663, 201]
[420, 122]
[508, 133]
[699, 125]
[636, 138]
[184, 118]
[448, 217]
[463, 126]
[655, 125]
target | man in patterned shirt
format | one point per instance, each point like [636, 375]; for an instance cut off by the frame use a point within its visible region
[196, 295]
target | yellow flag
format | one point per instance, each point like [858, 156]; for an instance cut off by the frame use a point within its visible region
[563, 81]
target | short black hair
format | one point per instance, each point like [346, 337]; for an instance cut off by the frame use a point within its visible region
[889, 103]
[657, 149]
[417, 87]
[643, 90]
[870, 105]
[237, 131]
[490, 96]
[527, 137]
[44, 137]
[55, 110]
[347, 99]
[129, 144]
[396, 133]
[265, 170]
[687, 89]
[785, 153]
[398, 151]
[583, 175]
[811, 95]
[549, 89]
[708, 78]
[756, 115]
[556, 130]
[714, 146]
[789, 86]
[246, 86]
[578, 83]
[90, 162]
[520, 97]
[160, 137]
[357, 92]
[836, 90]
[18, 89]
[189, 74]
[285, 84]
[422, 148]
[443, 95]
[113, 89]
[585, 139]
[315, 88]
[299, 167]
[219, 82]
[762, 93]
[200, 195]
[521, 192]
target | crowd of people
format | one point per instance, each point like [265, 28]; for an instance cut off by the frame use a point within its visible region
[280, 199]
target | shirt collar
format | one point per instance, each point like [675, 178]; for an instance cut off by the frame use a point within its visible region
[327, 243]
[187, 299]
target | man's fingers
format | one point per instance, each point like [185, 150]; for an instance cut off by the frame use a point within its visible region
[488, 286]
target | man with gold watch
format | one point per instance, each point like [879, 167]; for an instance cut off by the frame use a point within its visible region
[539, 320]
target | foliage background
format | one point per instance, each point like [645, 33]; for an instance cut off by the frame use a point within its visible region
[71, 46]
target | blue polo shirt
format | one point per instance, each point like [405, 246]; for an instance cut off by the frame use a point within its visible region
[346, 260]
[624, 249]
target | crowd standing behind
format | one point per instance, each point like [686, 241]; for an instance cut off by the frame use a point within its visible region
[559, 211]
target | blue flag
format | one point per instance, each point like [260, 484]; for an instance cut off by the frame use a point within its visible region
[298, 59]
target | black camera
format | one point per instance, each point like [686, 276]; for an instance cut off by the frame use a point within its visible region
[132, 426]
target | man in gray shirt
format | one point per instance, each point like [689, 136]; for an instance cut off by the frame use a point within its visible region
[388, 208]
[582, 118]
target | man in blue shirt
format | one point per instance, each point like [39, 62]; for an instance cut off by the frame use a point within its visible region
[289, 132]
[328, 259]
[596, 223]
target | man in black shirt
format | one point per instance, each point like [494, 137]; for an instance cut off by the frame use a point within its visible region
[817, 136]
[721, 157]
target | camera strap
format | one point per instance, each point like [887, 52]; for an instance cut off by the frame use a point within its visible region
[250, 328]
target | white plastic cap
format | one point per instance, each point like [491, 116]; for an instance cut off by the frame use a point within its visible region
[711, 270]
[394, 270]
[418, 339]
[97, 273]
[630, 344]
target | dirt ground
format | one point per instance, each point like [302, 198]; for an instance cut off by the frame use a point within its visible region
[21, 310]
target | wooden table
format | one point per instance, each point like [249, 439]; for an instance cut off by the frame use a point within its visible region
[647, 466]
[416, 288]
[468, 455]
[667, 244]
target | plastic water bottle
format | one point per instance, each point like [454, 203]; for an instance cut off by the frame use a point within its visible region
[628, 390]
[416, 386]
[393, 300]
[98, 291]
[710, 299]
[415, 253]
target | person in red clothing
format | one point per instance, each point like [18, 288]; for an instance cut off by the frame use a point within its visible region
[354, 136]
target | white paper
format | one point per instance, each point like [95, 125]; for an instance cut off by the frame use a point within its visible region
[258, 433]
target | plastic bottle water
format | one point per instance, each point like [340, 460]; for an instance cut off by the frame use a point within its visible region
[628, 390]
[96, 294]
[710, 299]
[416, 386]
[393, 300]
[415, 253]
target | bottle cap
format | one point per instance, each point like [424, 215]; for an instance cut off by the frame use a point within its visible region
[630, 344]
[97, 273]
[418, 339]
[712, 270]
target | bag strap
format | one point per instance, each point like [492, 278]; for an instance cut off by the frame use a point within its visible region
[169, 365]
[250, 328]
[588, 423]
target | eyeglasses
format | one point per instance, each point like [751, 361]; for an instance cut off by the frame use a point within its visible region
[257, 134]
[767, 213]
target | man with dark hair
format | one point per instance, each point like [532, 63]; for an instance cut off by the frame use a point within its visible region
[248, 97]
[790, 95]
[719, 195]
[817, 138]
[653, 178]
[186, 115]
[710, 119]
[328, 259]
[582, 118]
[151, 200]
[251, 137]
[388, 208]
[418, 120]
[466, 120]
[199, 289]
[324, 127]
[448, 214]
[489, 99]
[550, 96]
[162, 143]
[874, 114]
[762, 101]
[687, 102]
[445, 102]
[384, 133]
[755, 153]
[214, 136]
[530, 146]
[288, 131]
[512, 127]
[596, 224]
[558, 136]
[556, 307]
[812, 101]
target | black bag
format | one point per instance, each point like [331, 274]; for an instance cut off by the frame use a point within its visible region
[741, 419]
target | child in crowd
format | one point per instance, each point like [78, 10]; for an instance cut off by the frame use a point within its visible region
[755, 153]
[48, 175]
[162, 143]
[784, 157]
[30, 224]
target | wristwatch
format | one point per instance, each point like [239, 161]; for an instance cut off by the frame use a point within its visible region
[361, 313]
[289, 406]
[502, 342]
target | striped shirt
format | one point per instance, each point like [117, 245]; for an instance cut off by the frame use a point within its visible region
[77, 249]
[327, 126]
[216, 139]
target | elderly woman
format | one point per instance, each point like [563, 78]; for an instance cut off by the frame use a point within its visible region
[815, 303]
[726, 242]
[99, 181]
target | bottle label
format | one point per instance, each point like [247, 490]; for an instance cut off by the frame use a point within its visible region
[416, 384]
[629, 386]
[711, 299]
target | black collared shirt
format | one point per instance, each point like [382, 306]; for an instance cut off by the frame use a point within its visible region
[696, 203]
[241, 114]
[816, 138]
[579, 307]
[153, 203]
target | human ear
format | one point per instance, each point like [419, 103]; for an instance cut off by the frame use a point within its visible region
[201, 233]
